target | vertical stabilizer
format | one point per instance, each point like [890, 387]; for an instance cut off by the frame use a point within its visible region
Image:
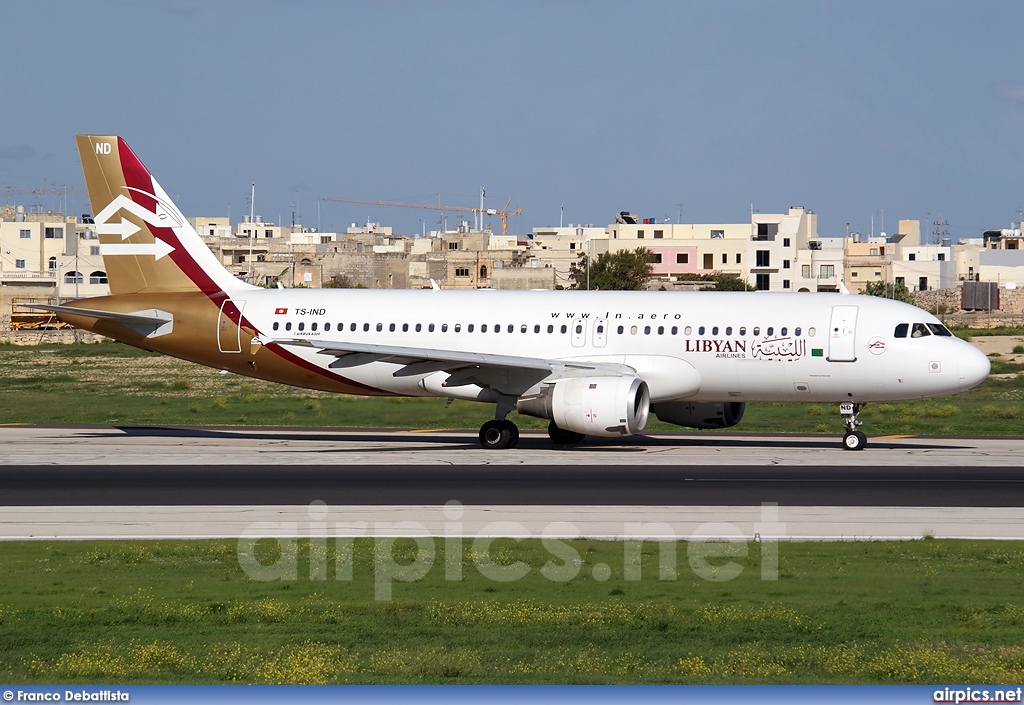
[146, 243]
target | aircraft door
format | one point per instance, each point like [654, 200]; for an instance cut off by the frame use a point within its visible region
[229, 335]
[842, 334]
[579, 332]
[600, 332]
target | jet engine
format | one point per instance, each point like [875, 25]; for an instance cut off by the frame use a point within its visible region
[699, 414]
[596, 406]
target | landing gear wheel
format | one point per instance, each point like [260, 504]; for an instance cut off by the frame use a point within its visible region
[855, 440]
[497, 434]
[562, 437]
[513, 433]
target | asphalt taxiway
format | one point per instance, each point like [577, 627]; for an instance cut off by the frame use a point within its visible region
[155, 482]
[258, 446]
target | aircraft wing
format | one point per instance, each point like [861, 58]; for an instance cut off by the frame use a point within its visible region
[425, 360]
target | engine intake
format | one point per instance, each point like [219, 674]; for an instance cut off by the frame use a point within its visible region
[699, 414]
[607, 406]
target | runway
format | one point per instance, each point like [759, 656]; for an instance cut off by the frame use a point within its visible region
[508, 485]
[106, 482]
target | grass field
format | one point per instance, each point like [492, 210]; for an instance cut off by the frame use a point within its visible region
[110, 383]
[184, 612]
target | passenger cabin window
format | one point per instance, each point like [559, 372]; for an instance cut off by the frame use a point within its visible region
[757, 330]
[620, 329]
[700, 331]
[419, 327]
[392, 328]
[483, 327]
[919, 330]
[366, 327]
[302, 326]
[564, 328]
[430, 328]
[380, 327]
[743, 330]
[901, 330]
[276, 325]
[288, 326]
[312, 327]
[352, 327]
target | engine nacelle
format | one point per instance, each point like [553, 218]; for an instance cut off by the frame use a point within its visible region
[699, 414]
[595, 406]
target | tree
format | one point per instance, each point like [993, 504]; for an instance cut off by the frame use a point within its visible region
[624, 270]
[897, 291]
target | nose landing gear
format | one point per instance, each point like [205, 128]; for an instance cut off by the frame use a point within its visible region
[852, 439]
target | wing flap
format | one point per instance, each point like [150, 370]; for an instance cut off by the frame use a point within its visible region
[418, 361]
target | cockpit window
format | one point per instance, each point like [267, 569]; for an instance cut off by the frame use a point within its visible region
[939, 329]
[920, 330]
[901, 330]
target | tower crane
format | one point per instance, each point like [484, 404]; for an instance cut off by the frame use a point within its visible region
[504, 214]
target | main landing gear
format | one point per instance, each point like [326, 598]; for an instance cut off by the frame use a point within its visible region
[852, 439]
[498, 434]
[561, 437]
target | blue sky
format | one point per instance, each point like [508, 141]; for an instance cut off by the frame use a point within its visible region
[852, 109]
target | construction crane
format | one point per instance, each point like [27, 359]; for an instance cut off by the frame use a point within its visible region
[62, 191]
[503, 214]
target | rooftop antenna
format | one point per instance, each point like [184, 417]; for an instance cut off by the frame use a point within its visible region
[252, 228]
[480, 213]
[940, 229]
[679, 213]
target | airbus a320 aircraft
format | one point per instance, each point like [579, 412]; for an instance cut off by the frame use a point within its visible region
[592, 362]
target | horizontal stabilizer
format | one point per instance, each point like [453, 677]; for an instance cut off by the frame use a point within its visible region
[150, 323]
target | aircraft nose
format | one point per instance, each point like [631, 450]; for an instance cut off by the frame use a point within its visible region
[973, 366]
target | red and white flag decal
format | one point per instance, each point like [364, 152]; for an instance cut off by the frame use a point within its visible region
[280, 311]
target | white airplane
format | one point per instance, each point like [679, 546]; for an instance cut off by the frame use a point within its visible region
[592, 362]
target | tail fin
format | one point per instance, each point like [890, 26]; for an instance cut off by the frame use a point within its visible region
[146, 243]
